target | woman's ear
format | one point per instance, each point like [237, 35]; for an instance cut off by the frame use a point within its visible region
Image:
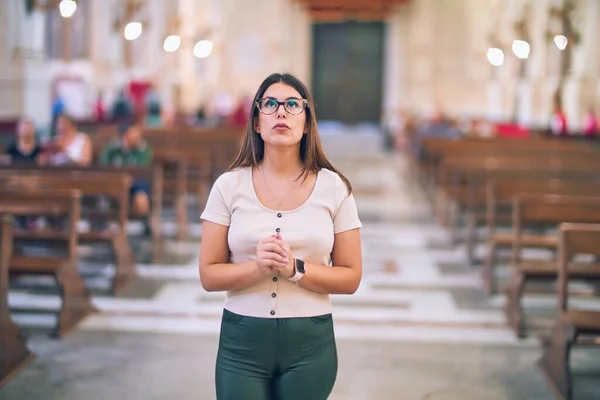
[256, 126]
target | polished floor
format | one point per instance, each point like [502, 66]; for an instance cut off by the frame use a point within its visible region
[420, 326]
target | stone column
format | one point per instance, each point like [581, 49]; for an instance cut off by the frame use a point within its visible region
[210, 71]
[298, 43]
[581, 86]
[422, 55]
[187, 63]
[394, 88]
[536, 92]
[5, 31]
[23, 69]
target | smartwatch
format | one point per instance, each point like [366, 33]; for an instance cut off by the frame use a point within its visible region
[299, 268]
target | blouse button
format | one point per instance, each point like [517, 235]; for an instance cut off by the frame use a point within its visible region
[274, 279]
[279, 215]
[273, 295]
[278, 230]
[272, 312]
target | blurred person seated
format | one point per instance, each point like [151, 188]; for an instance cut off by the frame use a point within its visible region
[131, 150]
[439, 126]
[26, 148]
[122, 108]
[153, 109]
[69, 147]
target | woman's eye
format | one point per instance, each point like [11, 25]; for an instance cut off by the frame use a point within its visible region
[293, 103]
[270, 103]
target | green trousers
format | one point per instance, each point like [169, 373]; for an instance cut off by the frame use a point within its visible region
[275, 359]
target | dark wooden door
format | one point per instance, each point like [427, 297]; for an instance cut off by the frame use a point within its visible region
[347, 71]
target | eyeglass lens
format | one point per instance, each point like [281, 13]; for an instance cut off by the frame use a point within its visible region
[270, 105]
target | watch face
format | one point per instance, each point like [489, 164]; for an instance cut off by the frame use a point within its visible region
[300, 266]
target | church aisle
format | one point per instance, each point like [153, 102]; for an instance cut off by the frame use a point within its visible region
[419, 327]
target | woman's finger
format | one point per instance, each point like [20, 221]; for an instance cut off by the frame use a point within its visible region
[269, 255]
[273, 247]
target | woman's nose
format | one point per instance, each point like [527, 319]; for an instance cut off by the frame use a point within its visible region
[281, 111]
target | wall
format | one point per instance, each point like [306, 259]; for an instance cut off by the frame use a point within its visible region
[258, 39]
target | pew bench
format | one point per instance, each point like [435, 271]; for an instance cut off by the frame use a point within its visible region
[440, 152]
[154, 175]
[499, 198]
[175, 181]
[458, 176]
[14, 354]
[531, 210]
[90, 183]
[466, 193]
[75, 300]
[572, 326]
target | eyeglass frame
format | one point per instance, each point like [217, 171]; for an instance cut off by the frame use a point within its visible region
[282, 103]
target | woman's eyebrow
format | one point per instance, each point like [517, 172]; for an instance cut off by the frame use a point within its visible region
[287, 98]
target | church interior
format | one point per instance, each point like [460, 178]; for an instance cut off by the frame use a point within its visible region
[470, 132]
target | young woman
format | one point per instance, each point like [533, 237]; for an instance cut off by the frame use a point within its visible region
[69, 146]
[280, 233]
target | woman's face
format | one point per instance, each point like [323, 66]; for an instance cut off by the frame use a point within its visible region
[280, 128]
[63, 126]
[26, 130]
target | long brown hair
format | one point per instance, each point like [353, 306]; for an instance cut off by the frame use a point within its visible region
[311, 150]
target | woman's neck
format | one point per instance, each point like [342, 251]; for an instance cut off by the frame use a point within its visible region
[26, 143]
[69, 136]
[282, 162]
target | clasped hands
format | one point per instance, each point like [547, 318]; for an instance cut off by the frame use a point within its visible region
[274, 254]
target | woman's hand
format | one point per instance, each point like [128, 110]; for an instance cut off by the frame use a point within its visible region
[60, 144]
[271, 255]
[288, 269]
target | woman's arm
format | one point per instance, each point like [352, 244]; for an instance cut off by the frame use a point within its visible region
[341, 278]
[216, 273]
[86, 153]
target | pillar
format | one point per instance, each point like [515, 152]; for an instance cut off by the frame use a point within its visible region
[581, 86]
[23, 66]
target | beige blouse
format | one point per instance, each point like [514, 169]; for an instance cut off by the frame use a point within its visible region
[309, 230]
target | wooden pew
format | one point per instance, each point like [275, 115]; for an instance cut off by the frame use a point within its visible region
[474, 195]
[75, 299]
[14, 354]
[174, 178]
[90, 183]
[457, 177]
[500, 196]
[445, 153]
[209, 151]
[528, 211]
[465, 190]
[152, 174]
[440, 151]
[571, 325]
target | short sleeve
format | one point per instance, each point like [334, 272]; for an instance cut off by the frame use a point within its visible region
[217, 208]
[346, 217]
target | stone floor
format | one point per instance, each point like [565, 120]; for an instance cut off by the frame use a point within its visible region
[420, 326]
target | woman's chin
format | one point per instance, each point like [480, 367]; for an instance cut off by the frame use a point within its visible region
[282, 141]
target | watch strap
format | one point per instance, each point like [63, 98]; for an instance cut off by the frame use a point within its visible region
[297, 273]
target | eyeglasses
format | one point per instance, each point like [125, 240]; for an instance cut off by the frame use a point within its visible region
[269, 105]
